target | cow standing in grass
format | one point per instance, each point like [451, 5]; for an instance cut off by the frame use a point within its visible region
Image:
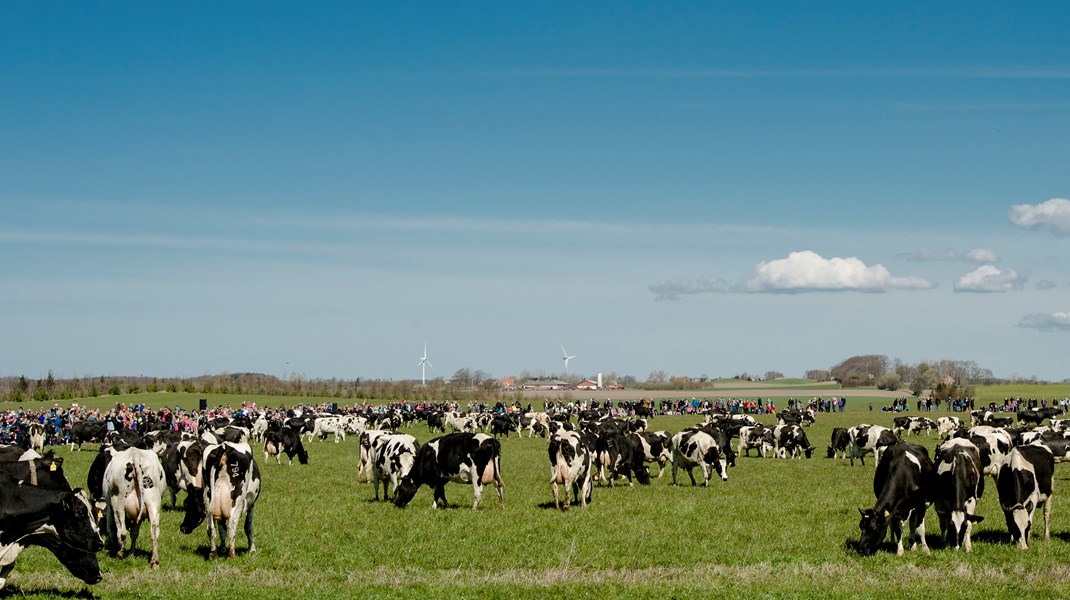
[462, 457]
[900, 485]
[570, 466]
[1024, 483]
[957, 487]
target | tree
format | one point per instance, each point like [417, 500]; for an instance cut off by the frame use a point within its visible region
[771, 375]
[658, 376]
[818, 374]
[860, 370]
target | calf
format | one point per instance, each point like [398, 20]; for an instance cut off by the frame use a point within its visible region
[133, 486]
[869, 438]
[899, 484]
[460, 457]
[957, 486]
[696, 448]
[231, 480]
[791, 439]
[1024, 482]
[61, 521]
[841, 440]
[392, 457]
[570, 465]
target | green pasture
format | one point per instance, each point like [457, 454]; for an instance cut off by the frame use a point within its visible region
[776, 528]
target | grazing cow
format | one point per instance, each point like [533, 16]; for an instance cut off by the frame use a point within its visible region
[696, 448]
[957, 486]
[231, 480]
[791, 439]
[899, 484]
[462, 424]
[913, 425]
[869, 438]
[325, 426]
[945, 425]
[1024, 482]
[841, 441]
[285, 440]
[615, 453]
[133, 486]
[392, 457]
[460, 457]
[1038, 415]
[502, 425]
[87, 431]
[758, 437]
[43, 471]
[570, 466]
[436, 422]
[61, 521]
[655, 446]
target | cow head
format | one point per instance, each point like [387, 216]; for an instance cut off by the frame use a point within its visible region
[195, 511]
[75, 523]
[874, 527]
[831, 452]
[80, 563]
[405, 492]
[809, 451]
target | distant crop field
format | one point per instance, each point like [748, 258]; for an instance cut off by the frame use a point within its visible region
[777, 527]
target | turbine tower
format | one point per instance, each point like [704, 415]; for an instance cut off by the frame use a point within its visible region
[565, 357]
[423, 364]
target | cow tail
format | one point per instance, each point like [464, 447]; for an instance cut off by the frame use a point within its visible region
[138, 475]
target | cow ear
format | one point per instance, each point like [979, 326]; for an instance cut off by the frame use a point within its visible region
[887, 514]
[862, 512]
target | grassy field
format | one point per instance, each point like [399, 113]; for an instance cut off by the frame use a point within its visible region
[776, 528]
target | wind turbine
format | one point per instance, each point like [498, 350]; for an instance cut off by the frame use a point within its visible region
[565, 357]
[423, 364]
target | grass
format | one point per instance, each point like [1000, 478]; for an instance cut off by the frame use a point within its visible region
[776, 528]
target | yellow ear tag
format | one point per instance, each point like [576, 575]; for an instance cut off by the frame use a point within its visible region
[52, 467]
[887, 514]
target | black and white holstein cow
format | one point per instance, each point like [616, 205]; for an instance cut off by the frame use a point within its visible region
[462, 457]
[958, 485]
[913, 425]
[869, 438]
[791, 440]
[655, 446]
[570, 466]
[1025, 482]
[757, 437]
[945, 425]
[903, 472]
[38, 435]
[133, 488]
[61, 521]
[994, 443]
[364, 461]
[287, 440]
[44, 471]
[392, 457]
[231, 480]
[841, 441]
[695, 448]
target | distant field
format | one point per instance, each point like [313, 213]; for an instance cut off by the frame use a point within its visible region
[776, 528]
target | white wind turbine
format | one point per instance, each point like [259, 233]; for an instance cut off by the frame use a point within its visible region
[565, 357]
[423, 364]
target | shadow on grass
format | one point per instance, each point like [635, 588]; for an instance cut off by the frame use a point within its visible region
[991, 536]
[221, 552]
[10, 591]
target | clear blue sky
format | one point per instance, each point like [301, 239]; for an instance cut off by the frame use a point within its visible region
[705, 188]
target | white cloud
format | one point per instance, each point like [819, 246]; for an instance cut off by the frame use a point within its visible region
[987, 278]
[1053, 214]
[673, 289]
[980, 256]
[810, 272]
[1059, 321]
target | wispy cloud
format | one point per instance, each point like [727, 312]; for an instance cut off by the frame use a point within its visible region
[1053, 215]
[1050, 322]
[673, 289]
[810, 272]
[977, 256]
[989, 279]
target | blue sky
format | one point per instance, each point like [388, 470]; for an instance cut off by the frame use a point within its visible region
[709, 188]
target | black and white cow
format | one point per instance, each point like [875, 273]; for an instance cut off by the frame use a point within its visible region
[957, 486]
[869, 438]
[841, 441]
[38, 435]
[325, 426]
[570, 466]
[913, 425]
[61, 521]
[945, 425]
[1025, 482]
[392, 457]
[899, 484]
[133, 487]
[759, 437]
[459, 423]
[655, 446]
[614, 452]
[285, 440]
[462, 457]
[696, 448]
[364, 462]
[994, 443]
[44, 471]
[791, 440]
[1038, 415]
[9, 452]
[87, 431]
[436, 421]
[231, 480]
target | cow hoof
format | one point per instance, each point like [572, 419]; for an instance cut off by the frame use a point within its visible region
[212, 555]
[120, 554]
[155, 565]
[231, 554]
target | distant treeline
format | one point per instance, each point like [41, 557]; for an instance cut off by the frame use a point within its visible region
[51, 389]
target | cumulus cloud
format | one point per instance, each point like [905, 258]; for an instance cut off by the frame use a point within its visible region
[988, 279]
[1046, 285]
[1053, 215]
[980, 256]
[810, 272]
[673, 289]
[1059, 321]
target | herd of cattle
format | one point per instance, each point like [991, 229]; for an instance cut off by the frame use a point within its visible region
[222, 481]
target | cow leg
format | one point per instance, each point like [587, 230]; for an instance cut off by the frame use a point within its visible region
[211, 536]
[705, 475]
[440, 494]
[154, 530]
[477, 490]
[917, 516]
[1047, 518]
[557, 504]
[896, 528]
